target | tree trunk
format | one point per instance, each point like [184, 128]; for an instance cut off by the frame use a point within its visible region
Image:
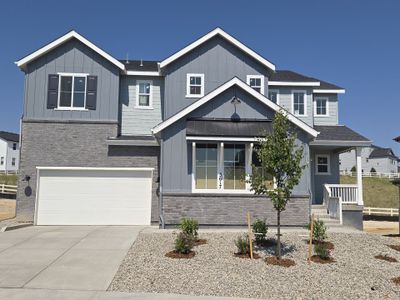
[278, 245]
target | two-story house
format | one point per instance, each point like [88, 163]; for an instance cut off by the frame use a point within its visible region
[9, 152]
[107, 141]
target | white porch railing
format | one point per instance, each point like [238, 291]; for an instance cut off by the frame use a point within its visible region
[8, 189]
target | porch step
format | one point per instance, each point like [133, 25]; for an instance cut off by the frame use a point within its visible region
[320, 213]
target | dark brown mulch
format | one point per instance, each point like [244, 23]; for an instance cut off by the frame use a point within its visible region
[266, 243]
[386, 258]
[320, 260]
[392, 235]
[283, 262]
[174, 254]
[200, 242]
[394, 247]
[328, 245]
[255, 255]
[396, 280]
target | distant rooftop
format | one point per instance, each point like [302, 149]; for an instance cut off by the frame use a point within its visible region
[9, 136]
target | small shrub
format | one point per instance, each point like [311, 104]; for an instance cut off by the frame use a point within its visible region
[372, 170]
[190, 227]
[260, 229]
[184, 243]
[321, 251]
[353, 169]
[242, 244]
[319, 230]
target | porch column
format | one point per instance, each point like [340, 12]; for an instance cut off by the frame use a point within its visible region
[359, 177]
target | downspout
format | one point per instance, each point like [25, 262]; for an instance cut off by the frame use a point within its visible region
[161, 210]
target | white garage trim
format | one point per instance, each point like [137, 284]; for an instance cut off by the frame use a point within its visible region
[124, 189]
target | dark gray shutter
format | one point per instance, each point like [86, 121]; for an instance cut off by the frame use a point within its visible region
[52, 91]
[91, 92]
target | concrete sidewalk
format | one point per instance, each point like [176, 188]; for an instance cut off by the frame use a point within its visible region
[28, 294]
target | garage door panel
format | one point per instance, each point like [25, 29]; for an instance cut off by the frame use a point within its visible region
[94, 197]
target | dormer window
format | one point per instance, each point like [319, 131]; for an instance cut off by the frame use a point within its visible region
[194, 85]
[256, 82]
[144, 94]
[321, 106]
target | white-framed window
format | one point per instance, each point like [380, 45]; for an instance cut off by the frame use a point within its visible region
[321, 107]
[299, 101]
[13, 160]
[194, 85]
[144, 94]
[72, 91]
[256, 82]
[2, 161]
[322, 164]
[273, 95]
[224, 167]
[14, 146]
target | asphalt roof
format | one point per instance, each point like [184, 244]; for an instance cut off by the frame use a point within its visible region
[382, 152]
[140, 65]
[338, 133]
[286, 75]
[397, 139]
[9, 136]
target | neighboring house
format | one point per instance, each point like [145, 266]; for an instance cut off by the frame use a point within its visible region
[382, 160]
[9, 152]
[107, 141]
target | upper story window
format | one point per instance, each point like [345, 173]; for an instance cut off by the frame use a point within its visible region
[321, 106]
[195, 85]
[144, 94]
[14, 146]
[273, 96]
[256, 82]
[322, 164]
[299, 103]
[72, 92]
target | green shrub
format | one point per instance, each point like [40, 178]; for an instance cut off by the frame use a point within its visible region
[260, 229]
[372, 170]
[189, 226]
[184, 243]
[321, 251]
[319, 230]
[353, 169]
[242, 244]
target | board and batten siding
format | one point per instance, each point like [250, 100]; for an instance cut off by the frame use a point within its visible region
[134, 120]
[218, 60]
[71, 57]
[333, 117]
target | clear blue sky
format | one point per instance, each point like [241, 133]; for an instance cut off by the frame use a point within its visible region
[354, 44]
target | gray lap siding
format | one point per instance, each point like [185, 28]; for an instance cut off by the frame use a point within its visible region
[76, 144]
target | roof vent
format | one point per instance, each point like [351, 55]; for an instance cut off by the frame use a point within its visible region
[127, 58]
[141, 63]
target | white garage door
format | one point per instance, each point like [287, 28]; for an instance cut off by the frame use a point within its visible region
[78, 196]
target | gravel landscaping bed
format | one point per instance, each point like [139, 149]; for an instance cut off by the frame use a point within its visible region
[214, 270]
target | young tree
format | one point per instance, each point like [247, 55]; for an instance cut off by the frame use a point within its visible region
[280, 157]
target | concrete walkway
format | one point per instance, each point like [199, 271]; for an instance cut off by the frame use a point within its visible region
[64, 258]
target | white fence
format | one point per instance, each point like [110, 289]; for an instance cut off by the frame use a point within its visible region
[372, 174]
[8, 189]
[381, 211]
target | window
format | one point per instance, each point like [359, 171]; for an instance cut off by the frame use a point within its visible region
[299, 103]
[13, 161]
[206, 166]
[273, 96]
[2, 161]
[195, 85]
[72, 92]
[322, 164]
[258, 169]
[234, 166]
[144, 94]
[321, 106]
[256, 82]
[14, 146]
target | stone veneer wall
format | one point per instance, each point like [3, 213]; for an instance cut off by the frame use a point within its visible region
[76, 144]
[230, 209]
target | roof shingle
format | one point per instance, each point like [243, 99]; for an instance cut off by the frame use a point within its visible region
[9, 136]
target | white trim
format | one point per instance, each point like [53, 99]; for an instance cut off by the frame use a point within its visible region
[72, 34]
[277, 95]
[326, 109]
[305, 102]
[340, 91]
[294, 83]
[95, 168]
[66, 108]
[328, 164]
[150, 106]
[188, 95]
[142, 73]
[217, 31]
[225, 86]
[71, 107]
[261, 77]
[221, 138]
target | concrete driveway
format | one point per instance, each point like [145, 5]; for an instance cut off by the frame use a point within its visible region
[83, 258]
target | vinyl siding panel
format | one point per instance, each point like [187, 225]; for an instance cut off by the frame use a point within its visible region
[333, 118]
[71, 57]
[136, 121]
